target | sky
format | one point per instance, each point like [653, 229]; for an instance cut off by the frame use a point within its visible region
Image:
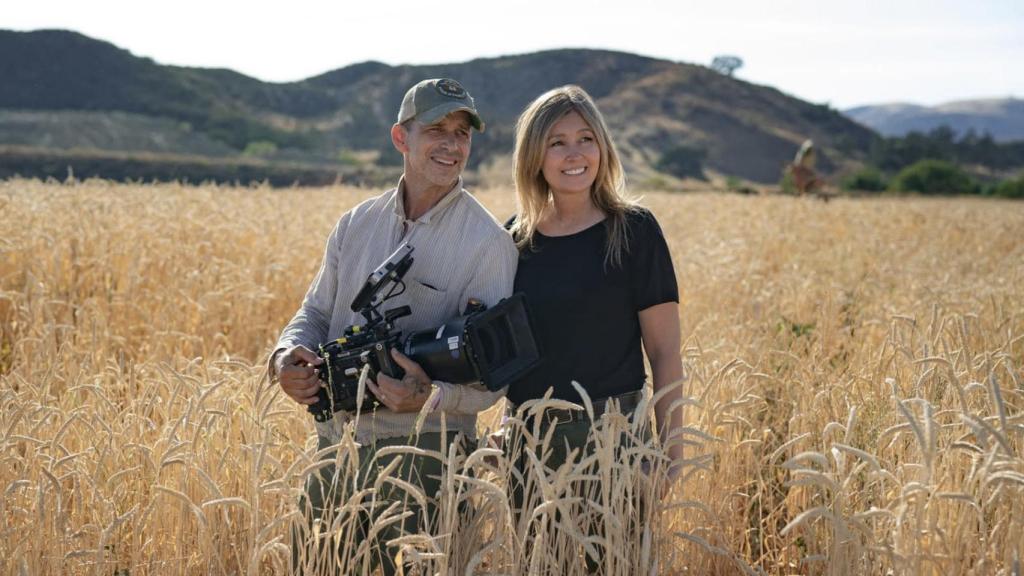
[841, 53]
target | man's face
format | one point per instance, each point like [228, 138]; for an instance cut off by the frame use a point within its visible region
[435, 154]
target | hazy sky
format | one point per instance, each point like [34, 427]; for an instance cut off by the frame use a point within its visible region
[843, 53]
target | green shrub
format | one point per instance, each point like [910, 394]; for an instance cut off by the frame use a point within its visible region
[1013, 188]
[347, 157]
[786, 183]
[933, 177]
[868, 179]
[260, 148]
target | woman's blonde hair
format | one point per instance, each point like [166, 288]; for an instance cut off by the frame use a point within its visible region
[533, 194]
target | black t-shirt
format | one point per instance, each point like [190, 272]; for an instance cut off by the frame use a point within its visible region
[585, 313]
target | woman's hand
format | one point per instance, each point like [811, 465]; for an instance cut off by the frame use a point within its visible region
[659, 328]
[653, 469]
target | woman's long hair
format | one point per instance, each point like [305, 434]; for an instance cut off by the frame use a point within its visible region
[533, 194]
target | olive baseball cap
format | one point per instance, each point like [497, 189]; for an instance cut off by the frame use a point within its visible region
[431, 100]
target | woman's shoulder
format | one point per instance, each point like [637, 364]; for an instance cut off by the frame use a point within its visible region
[641, 219]
[637, 213]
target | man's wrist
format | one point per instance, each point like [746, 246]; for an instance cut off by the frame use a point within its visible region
[423, 389]
[273, 370]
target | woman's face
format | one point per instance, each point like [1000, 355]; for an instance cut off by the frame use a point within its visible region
[571, 157]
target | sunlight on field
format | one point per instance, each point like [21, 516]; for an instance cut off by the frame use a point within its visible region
[855, 366]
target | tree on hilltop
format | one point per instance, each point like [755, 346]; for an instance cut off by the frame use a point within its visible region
[726, 65]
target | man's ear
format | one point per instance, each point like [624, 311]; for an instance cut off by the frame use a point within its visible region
[399, 136]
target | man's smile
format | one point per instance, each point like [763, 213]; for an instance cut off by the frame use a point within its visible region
[444, 161]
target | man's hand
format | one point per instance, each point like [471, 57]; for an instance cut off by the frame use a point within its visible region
[405, 395]
[296, 373]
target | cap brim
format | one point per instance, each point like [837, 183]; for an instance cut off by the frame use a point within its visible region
[437, 113]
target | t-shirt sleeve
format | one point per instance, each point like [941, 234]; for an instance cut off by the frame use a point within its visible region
[652, 275]
[494, 274]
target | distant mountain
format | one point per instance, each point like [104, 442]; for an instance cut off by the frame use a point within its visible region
[1003, 118]
[60, 70]
[652, 106]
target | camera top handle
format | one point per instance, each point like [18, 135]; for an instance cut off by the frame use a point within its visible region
[385, 276]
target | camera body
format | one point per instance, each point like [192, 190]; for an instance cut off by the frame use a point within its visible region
[494, 346]
[344, 361]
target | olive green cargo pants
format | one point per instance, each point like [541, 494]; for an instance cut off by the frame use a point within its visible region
[338, 520]
[566, 437]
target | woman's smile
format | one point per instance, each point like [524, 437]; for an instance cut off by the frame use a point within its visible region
[572, 156]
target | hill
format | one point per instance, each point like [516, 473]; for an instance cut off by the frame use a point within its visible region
[1003, 118]
[653, 106]
[89, 129]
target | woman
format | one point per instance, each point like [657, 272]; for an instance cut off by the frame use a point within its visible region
[596, 271]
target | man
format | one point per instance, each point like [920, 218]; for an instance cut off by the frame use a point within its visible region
[461, 252]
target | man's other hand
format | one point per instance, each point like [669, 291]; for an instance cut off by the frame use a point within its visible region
[296, 372]
[405, 395]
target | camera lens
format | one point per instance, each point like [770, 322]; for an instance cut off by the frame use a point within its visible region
[496, 343]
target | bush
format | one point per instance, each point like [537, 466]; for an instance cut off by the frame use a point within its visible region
[1013, 188]
[261, 148]
[786, 183]
[867, 179]
[682, 162]
[347, 157]
[933, 177]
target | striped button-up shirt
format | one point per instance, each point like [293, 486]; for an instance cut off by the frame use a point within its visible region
[460, 252]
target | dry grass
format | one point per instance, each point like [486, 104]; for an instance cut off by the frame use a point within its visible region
[855, 372]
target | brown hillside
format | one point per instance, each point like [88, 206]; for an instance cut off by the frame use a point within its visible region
[653, 105]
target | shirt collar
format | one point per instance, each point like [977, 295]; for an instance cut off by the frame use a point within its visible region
[436, 210]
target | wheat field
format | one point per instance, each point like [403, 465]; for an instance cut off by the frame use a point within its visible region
[855, 394]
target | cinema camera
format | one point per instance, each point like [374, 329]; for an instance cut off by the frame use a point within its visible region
[494, 346]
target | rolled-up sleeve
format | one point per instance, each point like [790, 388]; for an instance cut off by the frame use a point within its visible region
[495, 270]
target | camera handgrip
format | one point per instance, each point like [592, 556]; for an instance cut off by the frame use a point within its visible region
[385, 362]
[321, 410]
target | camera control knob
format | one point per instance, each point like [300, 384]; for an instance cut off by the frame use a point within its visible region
[473, 306]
